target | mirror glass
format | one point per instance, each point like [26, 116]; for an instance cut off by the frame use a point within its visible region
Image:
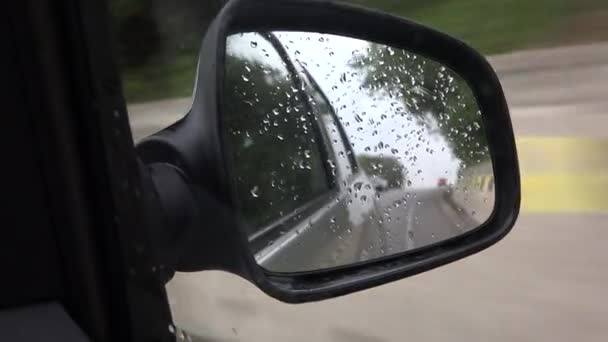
[344, 150]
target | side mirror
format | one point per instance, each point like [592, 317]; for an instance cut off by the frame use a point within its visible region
[330, 149]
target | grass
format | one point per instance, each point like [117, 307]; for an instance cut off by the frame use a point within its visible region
[492, 26]
[159, 79]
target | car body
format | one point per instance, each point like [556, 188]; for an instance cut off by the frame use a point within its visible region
[341, 214]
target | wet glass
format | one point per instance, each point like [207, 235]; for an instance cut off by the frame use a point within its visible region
[344, 150]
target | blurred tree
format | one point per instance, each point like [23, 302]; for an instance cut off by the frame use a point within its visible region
[152, 29]
[136, 30]
[438, 97]
[158, 43]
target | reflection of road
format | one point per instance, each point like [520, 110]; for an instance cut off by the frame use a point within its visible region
[404, 221]
[544, 282]
[426, 218]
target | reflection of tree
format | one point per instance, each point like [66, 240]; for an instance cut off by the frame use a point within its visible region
[276, 163]
[388, 168]
[437, 96]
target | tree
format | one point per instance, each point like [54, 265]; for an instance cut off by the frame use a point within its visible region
[437, 96]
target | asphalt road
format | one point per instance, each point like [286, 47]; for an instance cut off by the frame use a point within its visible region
[546, 281]
[429, 219]
[388, 227]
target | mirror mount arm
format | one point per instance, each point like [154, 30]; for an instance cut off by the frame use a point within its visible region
[170, 210]
[186, 224]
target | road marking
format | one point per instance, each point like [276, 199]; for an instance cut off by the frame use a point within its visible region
[563, 174]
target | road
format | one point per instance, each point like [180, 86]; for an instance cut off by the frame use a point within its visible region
[544, 282]
[431, 219]
[388, 227]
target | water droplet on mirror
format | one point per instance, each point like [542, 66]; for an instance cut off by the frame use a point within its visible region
[244, 78]
[254, 191]
[253, 44]
[280, 137]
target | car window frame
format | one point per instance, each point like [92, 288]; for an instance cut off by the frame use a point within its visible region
[345, 141]
[269, 230]
[90, 169]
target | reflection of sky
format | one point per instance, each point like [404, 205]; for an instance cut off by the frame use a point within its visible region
[251, 46]
[327, 58]
[372, 121]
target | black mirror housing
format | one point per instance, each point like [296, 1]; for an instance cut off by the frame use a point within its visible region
[209, 237]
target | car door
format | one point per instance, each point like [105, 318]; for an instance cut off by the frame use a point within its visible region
[367, 234]
[322, 184]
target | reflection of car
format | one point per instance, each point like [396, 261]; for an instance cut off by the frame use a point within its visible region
[442, 182]
[379, 184]
[326, 181]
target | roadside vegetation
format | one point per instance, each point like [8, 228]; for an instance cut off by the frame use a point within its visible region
[158, 42]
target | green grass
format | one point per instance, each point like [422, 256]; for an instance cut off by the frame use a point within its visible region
[492, 26]
[161, 79]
